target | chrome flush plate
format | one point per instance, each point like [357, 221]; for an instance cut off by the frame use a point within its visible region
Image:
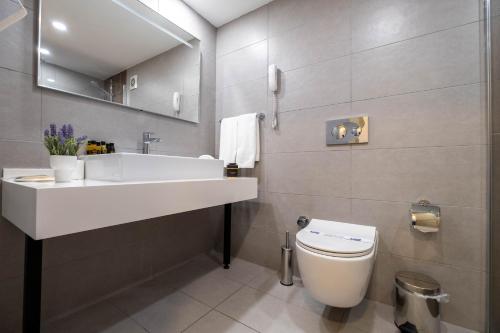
[347, 131]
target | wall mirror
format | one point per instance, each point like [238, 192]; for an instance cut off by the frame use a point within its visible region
[120, 52]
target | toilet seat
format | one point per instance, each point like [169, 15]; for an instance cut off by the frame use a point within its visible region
[336, 239]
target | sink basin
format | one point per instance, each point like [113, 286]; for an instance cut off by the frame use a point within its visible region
[141, 167]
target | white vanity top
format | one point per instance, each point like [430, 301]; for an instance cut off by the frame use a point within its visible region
[45, 210]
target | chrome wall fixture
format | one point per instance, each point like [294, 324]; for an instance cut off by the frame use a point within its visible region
[347, 131]
[425, 217]
[260, 116]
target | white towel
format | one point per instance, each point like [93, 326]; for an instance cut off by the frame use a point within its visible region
[248, 142]
[228, 140]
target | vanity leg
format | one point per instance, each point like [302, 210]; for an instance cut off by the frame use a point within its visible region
[32, 296]
[227, 235]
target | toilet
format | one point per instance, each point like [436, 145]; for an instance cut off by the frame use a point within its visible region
[336, 261]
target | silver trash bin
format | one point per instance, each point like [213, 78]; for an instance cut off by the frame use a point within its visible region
[417, 304]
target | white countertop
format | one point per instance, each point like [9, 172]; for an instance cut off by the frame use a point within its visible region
[45, 210]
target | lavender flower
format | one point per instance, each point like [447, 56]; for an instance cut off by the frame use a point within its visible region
[62, 141]
[64, 131]
[62, 138]
[70, 131]
[53, 130]
[81, 139]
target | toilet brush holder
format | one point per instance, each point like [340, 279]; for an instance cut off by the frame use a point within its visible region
[286, 262]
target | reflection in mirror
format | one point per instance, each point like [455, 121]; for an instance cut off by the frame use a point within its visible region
[122, 52]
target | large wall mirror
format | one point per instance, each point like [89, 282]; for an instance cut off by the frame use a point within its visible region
[121, 52]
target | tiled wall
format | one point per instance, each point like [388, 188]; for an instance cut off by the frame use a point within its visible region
[81, 268]
[179, 72]
[415, 68]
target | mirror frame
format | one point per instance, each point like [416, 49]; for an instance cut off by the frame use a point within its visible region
[38, 72]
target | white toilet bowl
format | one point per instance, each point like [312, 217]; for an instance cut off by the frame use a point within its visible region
[336, 261]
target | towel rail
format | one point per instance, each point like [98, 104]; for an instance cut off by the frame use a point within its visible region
[260, 116]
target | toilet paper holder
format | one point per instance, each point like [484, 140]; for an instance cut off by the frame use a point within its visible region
[425, 217]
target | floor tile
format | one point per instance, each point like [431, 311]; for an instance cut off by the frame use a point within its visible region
[216, 322]
[211, 288]
[371, 317]
[188, 272]
[241, 271]
[449, 328]
[266, 313]
[159, 308]
[99, 318]
[268, 281]
[173, 302]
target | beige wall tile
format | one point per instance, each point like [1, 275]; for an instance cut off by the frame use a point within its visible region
[288, 14]
[387, 217]
[246, 64]
[316, 41]
[249, 29]
[381, 22]
[19, 154]
[246, 97]
[438, 60]
[320, 84]
[443, 117]
[310, 173]
[446, 176]
[20, 110]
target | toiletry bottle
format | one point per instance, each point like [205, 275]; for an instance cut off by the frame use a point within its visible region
[104, 149]
[232, 170]
[110, 147]
[91, 147]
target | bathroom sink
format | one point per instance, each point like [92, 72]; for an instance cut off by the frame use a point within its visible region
[142, 167]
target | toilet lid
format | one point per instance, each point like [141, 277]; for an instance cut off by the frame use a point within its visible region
[338, 238]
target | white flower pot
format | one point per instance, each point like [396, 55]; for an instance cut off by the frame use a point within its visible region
[63, 167]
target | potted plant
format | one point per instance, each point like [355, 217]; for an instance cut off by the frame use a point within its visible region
[62, 147]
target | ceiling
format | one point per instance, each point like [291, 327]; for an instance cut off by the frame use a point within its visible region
[97, 42]
[220, 12]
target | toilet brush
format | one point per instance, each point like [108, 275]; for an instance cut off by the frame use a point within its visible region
[286, 262]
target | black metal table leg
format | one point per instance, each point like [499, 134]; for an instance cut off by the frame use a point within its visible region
[227, 235]
[32, 296]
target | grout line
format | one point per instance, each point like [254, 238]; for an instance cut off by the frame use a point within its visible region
[420, 91]
[225, 315]
[452, 266]
[418, 36]
[351, 54]
[17, 71]
[368, 199]
[479, 145]
[229, 296]
[197, 320]
[127, 315]
[382, 96]
[220, 56]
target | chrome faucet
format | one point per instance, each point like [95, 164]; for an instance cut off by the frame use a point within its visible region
[147, 140]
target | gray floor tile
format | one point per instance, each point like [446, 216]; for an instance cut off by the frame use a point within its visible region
[268, 282]
[215, 322]
[211, 288]
[266, 313]
[160, 309]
